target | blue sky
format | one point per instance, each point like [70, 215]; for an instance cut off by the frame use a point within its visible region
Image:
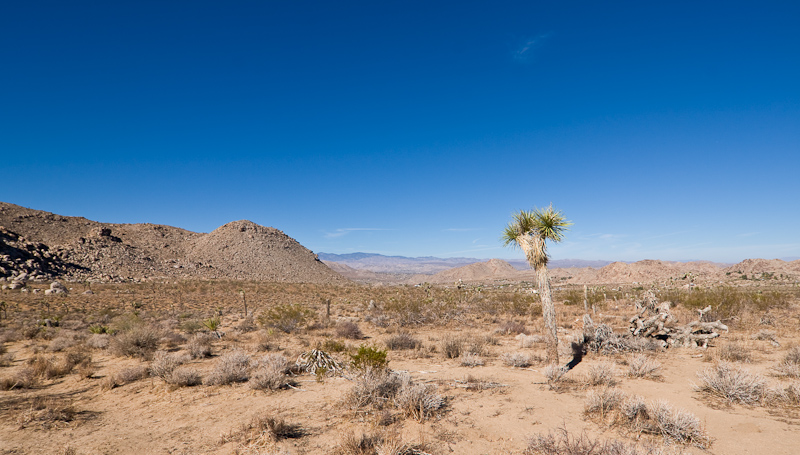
[663, 130]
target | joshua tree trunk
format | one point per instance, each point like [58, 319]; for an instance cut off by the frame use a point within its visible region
[533, 247]
[549, 315]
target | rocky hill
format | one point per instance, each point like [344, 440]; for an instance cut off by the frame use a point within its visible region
[44, 245]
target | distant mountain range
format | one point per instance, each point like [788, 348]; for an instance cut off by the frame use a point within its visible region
[430, 265]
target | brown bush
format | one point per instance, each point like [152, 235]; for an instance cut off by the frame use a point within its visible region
[349, 330]
[231, 367]
[139, 341]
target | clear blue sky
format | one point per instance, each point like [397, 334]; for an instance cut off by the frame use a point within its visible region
[663, 130]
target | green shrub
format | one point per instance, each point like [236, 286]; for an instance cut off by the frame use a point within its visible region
[286, 318]
[369, 358]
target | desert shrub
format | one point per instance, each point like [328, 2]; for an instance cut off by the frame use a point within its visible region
[270, 373]
[349, 330]
[640, 366]
[47, 413]
[402, 340]
[418, 401]
[25, 378]
[99, 341]
[726, 302]
[139, 341]
[231, 367]
[183, 376]
[264, 341]
[516, 359]
[262, 431]
[734, 352]
[527, 341]
[563, 443]
[601, 374]
[733, 384]
[375, 444]
[99, 329]
[3, 348]
[767, 335]
[787, 396]
[470, 359]
[790, 365]
[164, 363]
[451, 346]
[512, 328]
[6, 359]
[369, 358]
[190, 326]
[331, 345]
[614, 407]
[61, 343]
[286, 318]
[372, 390]
[50, 366]
[199, 345]
[553, 373]
[127, 375]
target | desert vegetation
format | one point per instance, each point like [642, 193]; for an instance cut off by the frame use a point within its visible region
[390, 369]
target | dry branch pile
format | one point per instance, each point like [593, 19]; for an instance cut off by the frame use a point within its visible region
[654, 318]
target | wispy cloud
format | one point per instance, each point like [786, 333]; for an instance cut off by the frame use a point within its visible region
[527, 50]
[345, 231]
[462, 229]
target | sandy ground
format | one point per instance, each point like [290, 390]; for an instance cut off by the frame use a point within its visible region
[150, 417]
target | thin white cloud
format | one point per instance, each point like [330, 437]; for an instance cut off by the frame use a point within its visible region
[527, 50]
[345, 231]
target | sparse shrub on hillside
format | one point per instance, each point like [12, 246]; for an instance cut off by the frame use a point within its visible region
[262, 432]
[418, 401]
[563, 443]
[376, 444]
[790, 366]
[184, 376]
[231, 367]
[516, 359]
[615, 408]
[402, 340]
[733, 384]
[99, 341]
[349, 330]
[640, 366]
[369, 358]
[286, 318]
[164, 363]
[25, 378]
[601, 374]
[126, 376]
[734, 352]
[271, 373]
[512, 328]
[451, 346]
[199, 345]
[468, 359]
[139, 341]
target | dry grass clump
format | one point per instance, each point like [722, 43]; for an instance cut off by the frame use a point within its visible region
[767, 335]
[164, 363]
[263, 431]
[516, 359]
[349, 330]
[614, 407]
[138, 341]
[451, 346]
[734, 352]
[231, 367]
[469, 359]
[527, 341]
[54, 366]
[601, 374]
[47, 413]
[375, 444]
[641, 366]
[790, 365]
[512, 328]
[402, 340]
[378, 390]
[61, 343]
[563, 443]
[199, 345]
[6, 359]
[733, 384]
[22, 379]
[126, 376]
[99, 341]
[418, 401]
[184, 377]
[271, 373]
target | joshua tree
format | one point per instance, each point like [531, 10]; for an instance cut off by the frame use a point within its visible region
[529, 230]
